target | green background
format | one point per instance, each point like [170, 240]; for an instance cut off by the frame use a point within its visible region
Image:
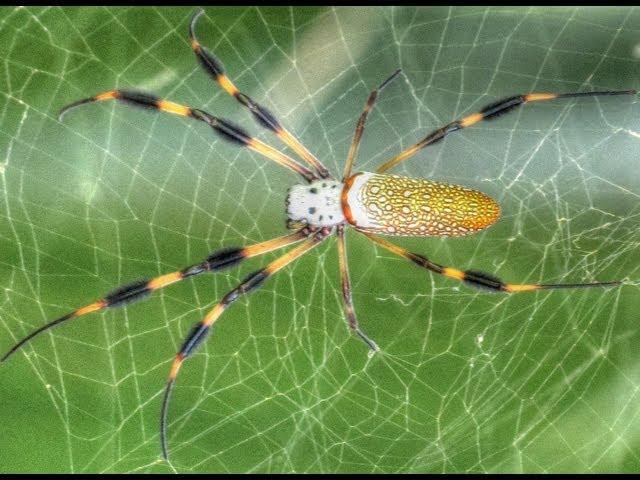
[466, 381]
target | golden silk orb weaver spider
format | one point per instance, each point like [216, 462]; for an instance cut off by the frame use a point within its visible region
[373, 203]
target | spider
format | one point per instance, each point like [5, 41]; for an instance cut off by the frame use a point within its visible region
[372, 203]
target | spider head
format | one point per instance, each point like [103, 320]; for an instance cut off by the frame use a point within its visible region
[316, 204]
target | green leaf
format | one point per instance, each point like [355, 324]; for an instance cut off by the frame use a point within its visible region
[466, 380]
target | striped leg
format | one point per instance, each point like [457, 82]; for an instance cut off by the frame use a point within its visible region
[214, 68]
[133, 292]
[478, 279]
[347, 298]
[489, 112]
[357, 136]
[224, 128]
[200, 330]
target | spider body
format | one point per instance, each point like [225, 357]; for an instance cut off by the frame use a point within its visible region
[405, 206]
[372, 203]
[392, 205]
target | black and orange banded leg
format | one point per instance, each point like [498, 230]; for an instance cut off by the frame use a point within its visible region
[357, 136]
[215, 69]
[489, 112]
[200, 330]
[477, 279]
[347, 297]
[226, 129]
[140, 289]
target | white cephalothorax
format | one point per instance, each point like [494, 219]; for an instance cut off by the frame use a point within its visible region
[317, 203]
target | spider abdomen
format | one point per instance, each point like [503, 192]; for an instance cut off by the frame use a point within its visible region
[396, 205]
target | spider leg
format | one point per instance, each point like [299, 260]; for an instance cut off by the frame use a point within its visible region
[140, 289]
[489, 112]
[201, 329]
[477, 279]
[347, 298]
[215, 69]
[226, 129]
[357, 136]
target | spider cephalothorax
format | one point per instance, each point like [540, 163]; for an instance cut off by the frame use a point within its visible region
[371, 202]
[317, 203]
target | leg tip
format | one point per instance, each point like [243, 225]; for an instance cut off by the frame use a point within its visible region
[63, 111]
[373, 346]
[194, 19]
[372, 352]
[390, 79]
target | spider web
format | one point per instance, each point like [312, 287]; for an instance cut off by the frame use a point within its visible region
[466, 380]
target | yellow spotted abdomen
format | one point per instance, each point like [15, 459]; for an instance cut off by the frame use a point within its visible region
[395, 205]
